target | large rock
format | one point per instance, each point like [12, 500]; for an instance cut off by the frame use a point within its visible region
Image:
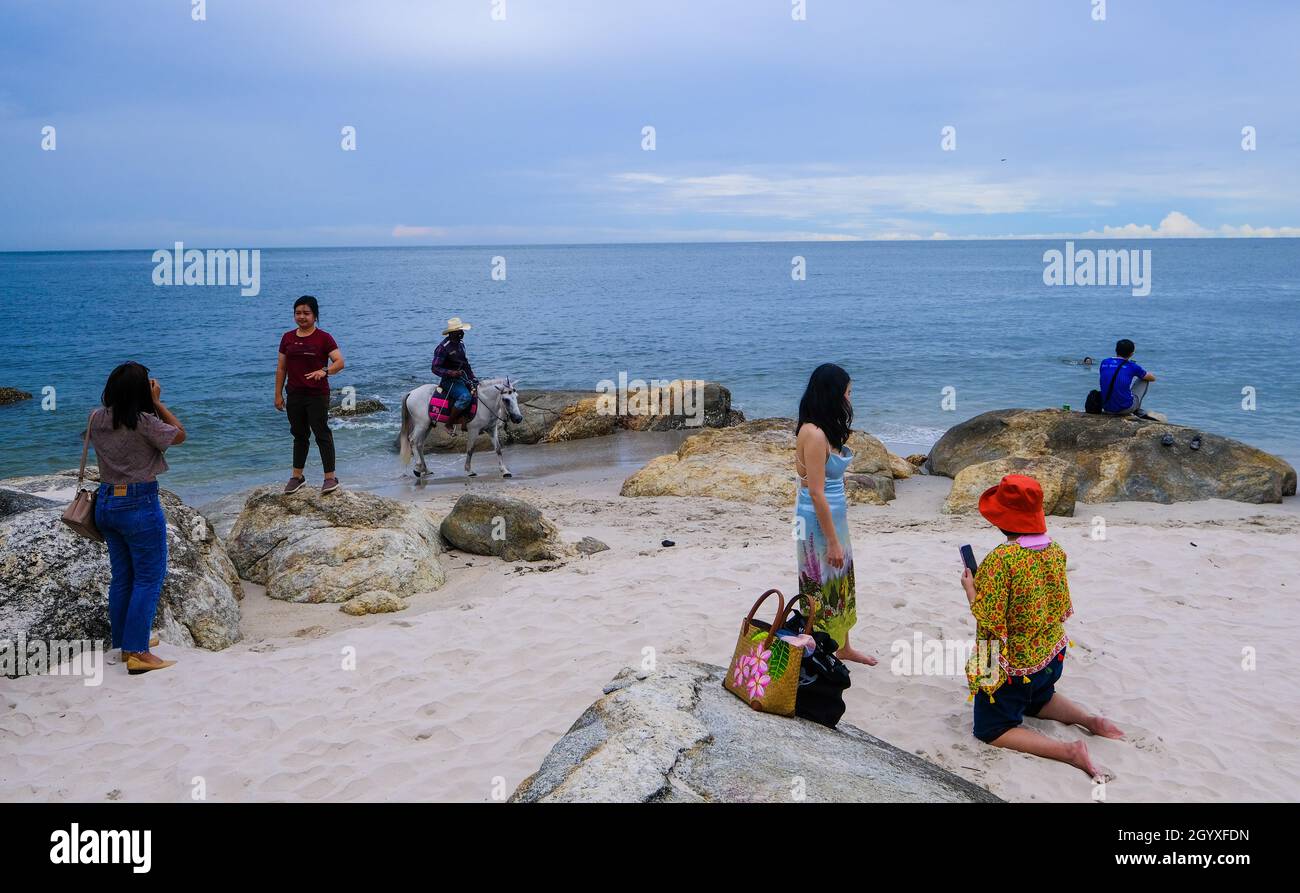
[497, 525]
[1059, 479]
[375, 602]
[224, 511]
[556, 416]
[308, 547]
[15, 502]
[754, 462]
[1119, 459]
[13, 395]
[900, 468]
[359, 407]
[581, 420]
[55, 583]
[679, 736]
[661, 409]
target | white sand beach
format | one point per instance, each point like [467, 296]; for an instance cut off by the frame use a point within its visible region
[461, 696]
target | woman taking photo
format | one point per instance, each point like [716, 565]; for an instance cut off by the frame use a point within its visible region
[822, 549]
[130, 434]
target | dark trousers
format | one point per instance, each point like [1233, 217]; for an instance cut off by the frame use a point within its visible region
[309, 414]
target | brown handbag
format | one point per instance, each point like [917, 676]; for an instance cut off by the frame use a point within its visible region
[80, 516]
[764, 670]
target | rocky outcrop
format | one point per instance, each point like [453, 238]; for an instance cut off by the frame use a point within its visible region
[556, 416]
[360, 407]
[1059, 479]
[308, 547]
[589, 545]
[224, 511]
[373, 602]
[497, 525]
[56, 583]
[1120, 459]
[676, 735]
[13, 395]
[754, 462]
[900, 468]
[15, 502]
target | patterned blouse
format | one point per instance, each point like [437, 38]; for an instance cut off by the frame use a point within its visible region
[1022, 600]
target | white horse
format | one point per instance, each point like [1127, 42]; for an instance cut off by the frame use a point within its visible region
[498, 398]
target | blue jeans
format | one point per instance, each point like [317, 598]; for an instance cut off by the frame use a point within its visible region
[135, 531]
[457, 392]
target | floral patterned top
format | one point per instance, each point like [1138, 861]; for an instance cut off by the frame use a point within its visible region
[1021, 603]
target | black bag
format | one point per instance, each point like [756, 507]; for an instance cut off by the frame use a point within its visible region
[1094, 404]
[823, 677]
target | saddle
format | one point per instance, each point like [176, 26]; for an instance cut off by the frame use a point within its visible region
[440, 408]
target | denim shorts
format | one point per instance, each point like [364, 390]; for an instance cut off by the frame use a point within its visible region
[1014, 700]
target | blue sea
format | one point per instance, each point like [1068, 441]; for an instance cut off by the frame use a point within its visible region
[907, 319]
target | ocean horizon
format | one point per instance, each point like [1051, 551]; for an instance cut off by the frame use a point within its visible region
[933, 332]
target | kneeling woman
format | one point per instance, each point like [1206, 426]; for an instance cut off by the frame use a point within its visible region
[1021, 600]
[823, 552]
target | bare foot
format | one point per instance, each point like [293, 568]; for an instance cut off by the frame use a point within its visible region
[1103, 727]
[855, 655]
[1078, 758]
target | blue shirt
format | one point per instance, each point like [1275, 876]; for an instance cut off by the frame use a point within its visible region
[1121, 399]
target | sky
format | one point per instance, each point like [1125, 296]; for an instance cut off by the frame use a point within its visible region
[477, 129]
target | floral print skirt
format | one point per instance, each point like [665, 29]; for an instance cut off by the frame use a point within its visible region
[831, 587]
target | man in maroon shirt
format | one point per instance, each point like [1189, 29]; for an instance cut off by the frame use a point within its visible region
[308, 356]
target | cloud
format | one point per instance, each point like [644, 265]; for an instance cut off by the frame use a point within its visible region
[821, 196]
[1246, 231]
[1176, 225]
[402, 231]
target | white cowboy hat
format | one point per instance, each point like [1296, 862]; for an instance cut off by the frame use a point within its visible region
[455, 325]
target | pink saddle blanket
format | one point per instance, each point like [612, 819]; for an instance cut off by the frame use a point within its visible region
[440, 408]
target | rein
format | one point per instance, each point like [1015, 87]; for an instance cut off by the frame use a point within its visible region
[495, 417]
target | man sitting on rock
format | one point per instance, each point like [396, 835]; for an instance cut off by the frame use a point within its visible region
[1124, 383]
[451, 364]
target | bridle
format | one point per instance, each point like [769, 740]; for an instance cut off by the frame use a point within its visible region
[495, 417]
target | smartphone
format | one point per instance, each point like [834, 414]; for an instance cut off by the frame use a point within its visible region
[968, 557]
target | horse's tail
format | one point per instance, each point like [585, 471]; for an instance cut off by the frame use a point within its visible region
[404, 438]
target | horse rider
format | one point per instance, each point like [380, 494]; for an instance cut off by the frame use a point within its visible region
[450, 363]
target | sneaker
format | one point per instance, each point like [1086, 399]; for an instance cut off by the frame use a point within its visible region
[331, 484]
[295, 484]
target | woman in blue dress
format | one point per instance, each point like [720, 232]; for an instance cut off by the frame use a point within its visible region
[823, 551]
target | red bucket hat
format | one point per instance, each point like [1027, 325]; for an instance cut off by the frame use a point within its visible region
[1015, 504]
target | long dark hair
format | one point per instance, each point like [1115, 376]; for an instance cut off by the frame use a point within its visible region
[823, 404]
[127, 394]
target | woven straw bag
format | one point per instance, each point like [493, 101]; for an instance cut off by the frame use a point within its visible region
[764, 670]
